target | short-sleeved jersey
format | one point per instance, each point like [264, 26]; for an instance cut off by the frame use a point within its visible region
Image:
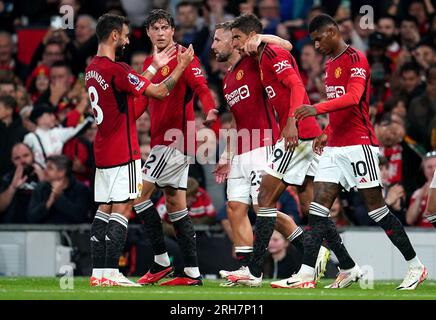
[276, 64]
[111, 87]
[175, 110]
[249, 105]
[351, 125]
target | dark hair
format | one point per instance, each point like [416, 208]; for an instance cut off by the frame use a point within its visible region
[61, 64]
[390, 17]
[321, 21]
[108, 23]
[159, 14]
[411, 19]
[247, 23]
[185, 4]
[429, 70]
[8, 102]
[227, 25]
[7, 80]
[410, 66]
[62, 162]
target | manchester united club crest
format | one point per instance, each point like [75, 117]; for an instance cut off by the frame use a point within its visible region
[239, 75]
[338, 72]
[165, 70]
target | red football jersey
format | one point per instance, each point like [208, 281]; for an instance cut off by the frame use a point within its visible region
[351, 125]
[111, 87]
[171, 114]
[250, 107]
[276, 64]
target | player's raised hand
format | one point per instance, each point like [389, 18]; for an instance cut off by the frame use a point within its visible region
[212, 116]
[304, 111]
[162, 58]
[252, 44]
[185, 58]
[290, 134]
[319, 143]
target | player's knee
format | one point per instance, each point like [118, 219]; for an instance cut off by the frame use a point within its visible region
[235, 211]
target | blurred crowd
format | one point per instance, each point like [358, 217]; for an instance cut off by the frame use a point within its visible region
[47, 132]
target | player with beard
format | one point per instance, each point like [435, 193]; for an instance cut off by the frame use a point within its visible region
[292, 162]
[172, 149]
[111, 87]
[243, 164]
[350, 158]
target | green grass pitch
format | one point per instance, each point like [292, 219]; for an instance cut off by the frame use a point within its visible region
[49, 289]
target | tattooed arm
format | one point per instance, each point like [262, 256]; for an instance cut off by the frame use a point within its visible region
[162, 89]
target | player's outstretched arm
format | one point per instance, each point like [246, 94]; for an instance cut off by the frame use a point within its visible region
[253, 43]
[161, 90]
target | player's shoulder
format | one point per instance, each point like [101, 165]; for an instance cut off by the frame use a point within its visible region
[354, 56]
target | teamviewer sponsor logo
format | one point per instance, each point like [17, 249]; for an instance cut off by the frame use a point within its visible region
[334, 91]
[237, 95]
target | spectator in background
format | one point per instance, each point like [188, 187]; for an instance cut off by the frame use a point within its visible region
[144, 149]
[7, 60]
[84, 30]
[143, 127]
[387, 25]
[137, 61]
[424, 55]
[269, 15]
[415, 215]
[289, 204]
[80, 151]
[191, 29]
[200, 207]
[283, 259]
[418, 10]
[380, 70]
[50, 52]
[409, 33]
[216, 13]
[85, 42]
[58, 95]
[38, 82]
[422, 111]
[11, 131]
[61, 199]
[394, 194]
[8, 87]
[22, 97]
[337, 214]
[411, 84]
[17, 185]
[430, 38]
[48, 140]
[311, 72]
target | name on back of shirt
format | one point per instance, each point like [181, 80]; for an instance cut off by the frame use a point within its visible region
[92, 74]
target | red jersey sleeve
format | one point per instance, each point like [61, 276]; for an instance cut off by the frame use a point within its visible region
[282, 65]
[195, 79]
[129, 81]
[358, 73]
